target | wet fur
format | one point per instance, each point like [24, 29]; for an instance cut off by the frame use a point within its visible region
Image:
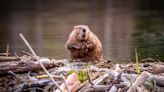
[83, 46]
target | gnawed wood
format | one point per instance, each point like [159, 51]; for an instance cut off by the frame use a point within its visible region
[139, 81]
[159, 79]
[157, 68]
[25, 68]
[71, 82]
[84, 83]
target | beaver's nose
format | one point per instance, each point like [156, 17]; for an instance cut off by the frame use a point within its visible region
[84, 30]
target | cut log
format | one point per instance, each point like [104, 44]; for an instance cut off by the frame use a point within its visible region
[159, 79]
[139, 81]
[158, 68]
[25, 68]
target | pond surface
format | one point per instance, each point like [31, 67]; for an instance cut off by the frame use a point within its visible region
[121, 26]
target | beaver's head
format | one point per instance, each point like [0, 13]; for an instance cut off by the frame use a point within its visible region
[81, 32]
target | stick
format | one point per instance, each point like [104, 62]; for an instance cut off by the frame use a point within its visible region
[5, 54]
[25, 67]
[139, 81]
[9, 58]
[100, 79]
[159, 79]
[68, 90]
[95, 82]
[28, 45]
[89, 79]
[113, 89]
[37, 58]
[158, 68]
[101, 88]
[26, 53]
[7, 50]
[84, 83]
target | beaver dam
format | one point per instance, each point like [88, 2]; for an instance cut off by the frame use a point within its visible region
[27, 72]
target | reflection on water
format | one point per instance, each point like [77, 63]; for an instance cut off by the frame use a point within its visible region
[120, 25]
[149, 37]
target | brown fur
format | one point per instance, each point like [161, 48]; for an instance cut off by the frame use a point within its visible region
[83, 45]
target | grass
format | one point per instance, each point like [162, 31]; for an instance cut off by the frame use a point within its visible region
[137, 63]
[82, 74]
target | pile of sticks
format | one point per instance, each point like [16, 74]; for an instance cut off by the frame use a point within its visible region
[29, 72]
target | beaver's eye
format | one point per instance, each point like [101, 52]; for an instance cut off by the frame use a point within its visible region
[84, 30]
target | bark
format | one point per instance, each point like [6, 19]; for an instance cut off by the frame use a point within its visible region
[25, 68]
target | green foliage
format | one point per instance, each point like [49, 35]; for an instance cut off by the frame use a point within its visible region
[131, 79]
[82, 74]
[71, 72]
[137, 63]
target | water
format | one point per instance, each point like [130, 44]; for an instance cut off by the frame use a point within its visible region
[121, 26]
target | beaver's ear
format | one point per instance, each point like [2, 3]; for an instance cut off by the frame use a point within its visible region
[73, 28]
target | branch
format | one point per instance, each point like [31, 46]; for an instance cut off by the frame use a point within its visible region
[37, 58]
[139, 81]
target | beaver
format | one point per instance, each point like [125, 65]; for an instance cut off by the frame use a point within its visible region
[83, 45]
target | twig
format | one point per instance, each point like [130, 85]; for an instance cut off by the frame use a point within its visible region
[100, 79]
[26, 53]
[37, 58]
[5, 54]
[12, 73]
[7, 50]
[101, 88]
[28, 45]
[84, 83]
[16, 55]
[10, 58]
[68, 90]
[35, 88]
[89, 79]
[95, 82]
